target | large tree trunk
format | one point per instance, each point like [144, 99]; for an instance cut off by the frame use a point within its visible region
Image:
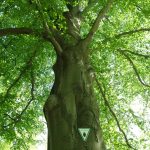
[72, 105]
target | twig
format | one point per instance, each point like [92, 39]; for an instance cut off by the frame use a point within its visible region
[27, 66]
[32, 93]
[132, 32]
[17, 118]
[6, 45]
[137, 54]
[127, 33]
[90, 5]
[9, 116]
[112, 112]
[134, 68]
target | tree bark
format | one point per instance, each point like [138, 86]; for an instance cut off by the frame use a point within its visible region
[72, 105]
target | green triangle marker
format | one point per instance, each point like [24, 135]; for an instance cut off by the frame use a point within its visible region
[84, 132]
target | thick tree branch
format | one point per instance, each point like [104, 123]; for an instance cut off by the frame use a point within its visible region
[28, 31]
[73, 20]
[134, 67]
[22, 72]
[25, 31]
[17, 31]
[55, 43]
[95, 26]
[47, 35]
[112, 112]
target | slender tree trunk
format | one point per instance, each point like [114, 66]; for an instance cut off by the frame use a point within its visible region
[72, 105]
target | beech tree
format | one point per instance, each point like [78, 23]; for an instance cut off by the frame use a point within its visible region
[85, 63]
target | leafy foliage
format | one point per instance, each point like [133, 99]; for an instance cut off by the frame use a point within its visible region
[120, 57]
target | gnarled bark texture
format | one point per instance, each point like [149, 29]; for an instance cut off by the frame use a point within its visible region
[72, 105]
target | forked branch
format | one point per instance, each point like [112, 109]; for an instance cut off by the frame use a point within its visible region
[134, 68]
[112, 112]
[97, 21]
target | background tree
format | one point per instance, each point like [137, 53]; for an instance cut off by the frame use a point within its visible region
[101, 44]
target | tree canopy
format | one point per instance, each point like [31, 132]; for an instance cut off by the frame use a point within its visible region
[120, 59]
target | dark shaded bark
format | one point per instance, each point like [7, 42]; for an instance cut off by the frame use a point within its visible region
[72, 105]
[16, 31]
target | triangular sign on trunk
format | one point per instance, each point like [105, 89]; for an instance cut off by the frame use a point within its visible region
[84, 132]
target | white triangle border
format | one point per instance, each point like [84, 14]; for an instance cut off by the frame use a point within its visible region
[88, 132]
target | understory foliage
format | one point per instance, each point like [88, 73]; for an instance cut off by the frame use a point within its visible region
[120, 60]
